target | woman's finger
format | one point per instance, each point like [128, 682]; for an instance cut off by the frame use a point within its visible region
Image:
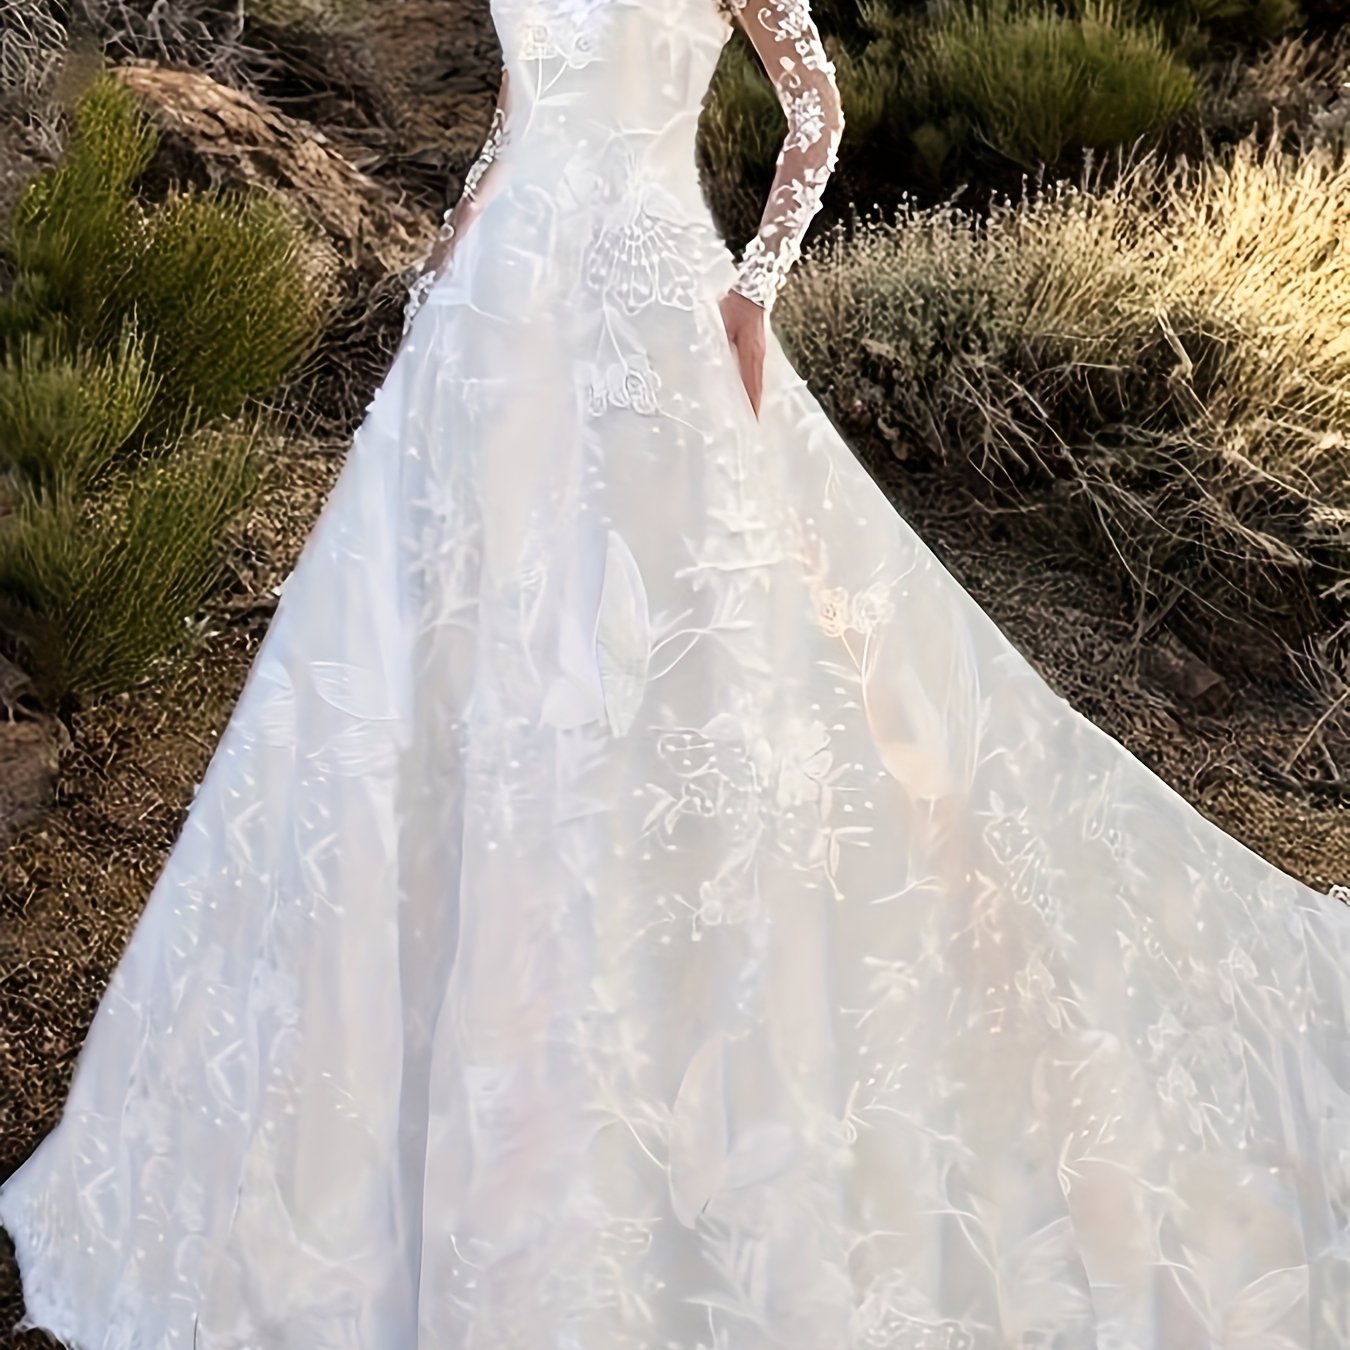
[749, 352]
[752, 372]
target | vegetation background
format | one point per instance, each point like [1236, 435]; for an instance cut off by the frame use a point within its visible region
[1080, 299]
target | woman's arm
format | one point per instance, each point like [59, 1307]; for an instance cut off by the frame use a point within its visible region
[476, 192]
[785, 37]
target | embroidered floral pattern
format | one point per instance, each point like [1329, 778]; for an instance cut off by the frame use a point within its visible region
[624, 384]
[642, 261]
[561, 31]
[784, 34]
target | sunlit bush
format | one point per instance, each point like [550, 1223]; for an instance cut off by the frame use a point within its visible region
[1166, 361]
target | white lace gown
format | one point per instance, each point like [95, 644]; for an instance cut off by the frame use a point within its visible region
[641, 902]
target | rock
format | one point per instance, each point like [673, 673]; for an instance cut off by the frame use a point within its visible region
[15, 687]
[30, 753]
[1185, 676]
[213, 135]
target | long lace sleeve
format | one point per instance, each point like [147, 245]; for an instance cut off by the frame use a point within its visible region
[785, 37]
[458, 218]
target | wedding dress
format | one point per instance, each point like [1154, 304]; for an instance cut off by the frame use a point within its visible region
[641, 902]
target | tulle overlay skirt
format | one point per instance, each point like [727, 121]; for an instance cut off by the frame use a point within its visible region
[641, 902]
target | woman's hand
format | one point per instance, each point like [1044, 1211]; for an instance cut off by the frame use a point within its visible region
[745, 324]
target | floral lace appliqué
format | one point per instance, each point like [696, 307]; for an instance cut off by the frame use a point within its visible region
[789, 44]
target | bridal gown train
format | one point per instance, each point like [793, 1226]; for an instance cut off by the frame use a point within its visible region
[641, 902]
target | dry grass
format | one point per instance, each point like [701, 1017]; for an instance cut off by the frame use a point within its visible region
[311, 15]
[1299, 84]
[206, 34]
[32, 45]
[1160, 370]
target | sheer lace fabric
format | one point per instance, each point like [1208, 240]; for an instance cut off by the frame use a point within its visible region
[641, 900]
[785, 36]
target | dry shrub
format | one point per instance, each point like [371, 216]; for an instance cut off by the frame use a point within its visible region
[1157, 371]
[1299, 84]
[308, 15]
[34, 56]
[32, 43]
[243, 43]
[205, 34]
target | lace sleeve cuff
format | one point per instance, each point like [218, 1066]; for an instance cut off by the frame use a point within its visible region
[496, 138]
[761, 274]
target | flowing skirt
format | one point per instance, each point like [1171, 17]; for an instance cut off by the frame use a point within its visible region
[641, 902]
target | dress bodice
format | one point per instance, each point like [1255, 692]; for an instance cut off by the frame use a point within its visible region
[626, 67]
[607, 94]
[598, 115]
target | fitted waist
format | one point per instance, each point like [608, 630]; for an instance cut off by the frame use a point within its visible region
[559, 232]
[587, 166]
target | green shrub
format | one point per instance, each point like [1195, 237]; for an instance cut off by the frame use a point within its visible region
[226, 287]
[1160, 367]
[1197, 26]
[63, 418]
[97, 589]
[1329, 15]
[1260, 20]
[133, 339]
[229, 289]
[73, 226]
[1029, 85]
[742, 127]
[869, 85]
